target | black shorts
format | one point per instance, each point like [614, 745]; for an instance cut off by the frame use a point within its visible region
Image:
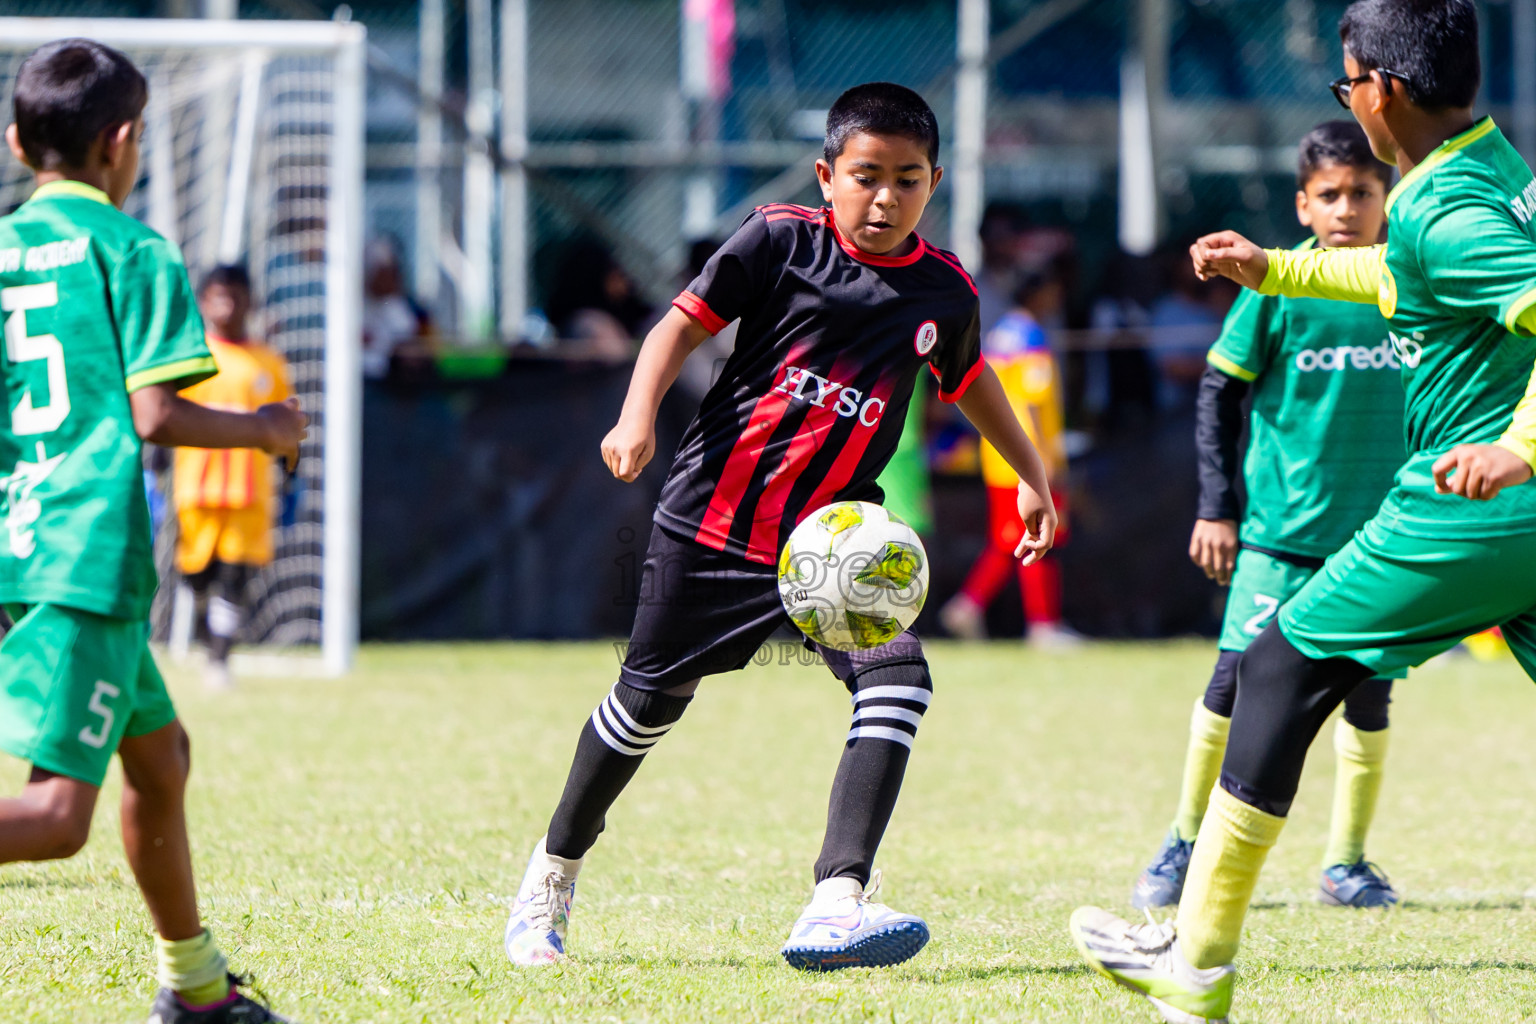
[702, 612]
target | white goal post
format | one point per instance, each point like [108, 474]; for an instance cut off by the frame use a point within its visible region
[253, 151]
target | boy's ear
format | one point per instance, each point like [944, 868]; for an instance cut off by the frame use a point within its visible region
[13, 140]
[824, 178]
[1382, 93]
[933, 186]
[1303, 214]
[114, 143]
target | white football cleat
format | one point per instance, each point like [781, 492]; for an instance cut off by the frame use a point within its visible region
[845, 927]
[535, 932]
[1147, 959]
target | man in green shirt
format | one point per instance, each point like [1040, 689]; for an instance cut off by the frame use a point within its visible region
[101, 330]
[1326, 437]
[1457, 284]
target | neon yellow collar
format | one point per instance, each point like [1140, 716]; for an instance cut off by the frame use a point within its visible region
[1439, 155]
[66, 187]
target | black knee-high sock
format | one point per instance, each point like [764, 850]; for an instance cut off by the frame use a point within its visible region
[614, 741]
[888, 702]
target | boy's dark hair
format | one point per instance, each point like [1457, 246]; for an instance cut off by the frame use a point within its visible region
[230, 275]
[67, 93]
[1341, 144]
[1431, 43]
[881, 108]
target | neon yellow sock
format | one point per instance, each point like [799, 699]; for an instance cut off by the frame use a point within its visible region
[1223, 872]
[1202, 767]
[193, 968]
[1356, 785]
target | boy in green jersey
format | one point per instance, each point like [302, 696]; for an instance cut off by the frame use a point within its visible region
[1456, 281]
[101, 330]
[1326, 439]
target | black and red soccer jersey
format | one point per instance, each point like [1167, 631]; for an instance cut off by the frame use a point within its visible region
[810, 405]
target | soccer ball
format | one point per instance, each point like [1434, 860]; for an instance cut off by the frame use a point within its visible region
[853, 575]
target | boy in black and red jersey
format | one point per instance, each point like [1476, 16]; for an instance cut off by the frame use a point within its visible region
[840, 309]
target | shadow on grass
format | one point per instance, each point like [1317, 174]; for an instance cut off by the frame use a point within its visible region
[1429, 906]
[900, 972]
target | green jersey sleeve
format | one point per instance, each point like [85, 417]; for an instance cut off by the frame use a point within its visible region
[1246, 343]
[1475, 258]
[159, 329]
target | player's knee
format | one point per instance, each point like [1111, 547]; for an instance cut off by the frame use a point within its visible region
[632, 720]
[160, 767]
[1366, 706]
[1221, 691]
[1283, 698]
[890, 698]
[65, 818]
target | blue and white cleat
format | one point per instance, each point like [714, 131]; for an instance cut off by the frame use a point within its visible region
[1162, 883]
[845, 927]
[1361, 884]
[535, 933]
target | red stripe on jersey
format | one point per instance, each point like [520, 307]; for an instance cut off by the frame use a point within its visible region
[965, 382]
[768, 514]
[848, 459]
[699, 309]
[809, 211]
[787, 215]
[715, 529]
[948, 260]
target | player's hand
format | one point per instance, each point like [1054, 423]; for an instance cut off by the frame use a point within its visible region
[286, 427]
[1039, 516]
[627, 449]
[1213, 547]
[1229, 254]
[1479, 471]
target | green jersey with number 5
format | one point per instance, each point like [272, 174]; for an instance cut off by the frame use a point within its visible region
[95, 305]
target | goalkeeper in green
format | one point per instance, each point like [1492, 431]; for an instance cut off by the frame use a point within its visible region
[1456, 281]
[101, 331]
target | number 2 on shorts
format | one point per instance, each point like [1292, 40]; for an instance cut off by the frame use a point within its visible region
[98, 738]
[1267, 606]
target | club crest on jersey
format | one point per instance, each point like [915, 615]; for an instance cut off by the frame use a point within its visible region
[927, 336]
[804, 386]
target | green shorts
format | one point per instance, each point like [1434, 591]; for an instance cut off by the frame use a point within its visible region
[1261, 583]
[72, 685]
[1391, 601]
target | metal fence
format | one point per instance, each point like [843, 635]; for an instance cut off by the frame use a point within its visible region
[500, 130]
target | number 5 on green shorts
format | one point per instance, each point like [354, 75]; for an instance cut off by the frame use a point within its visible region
[72, 685]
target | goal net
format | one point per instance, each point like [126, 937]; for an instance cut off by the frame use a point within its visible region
[252, 153]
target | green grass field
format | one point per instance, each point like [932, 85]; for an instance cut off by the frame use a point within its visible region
[357, 842]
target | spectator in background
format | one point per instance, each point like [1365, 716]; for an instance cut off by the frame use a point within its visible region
[700, 370]
[1119, 381]
[1002, 232]
[1018, 350]
[593, 300]
[1186, 321]
[393, 324]
[224, 498]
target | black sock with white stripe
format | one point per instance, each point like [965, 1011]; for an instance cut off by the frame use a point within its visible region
[614, 741]
[888, 703]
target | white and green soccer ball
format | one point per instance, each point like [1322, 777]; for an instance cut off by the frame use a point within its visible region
[853, 575]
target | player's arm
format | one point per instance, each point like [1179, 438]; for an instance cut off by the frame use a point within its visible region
[1218, 431]
[163, 417]
[632, 441]
[1349, 274]
[986, 405]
